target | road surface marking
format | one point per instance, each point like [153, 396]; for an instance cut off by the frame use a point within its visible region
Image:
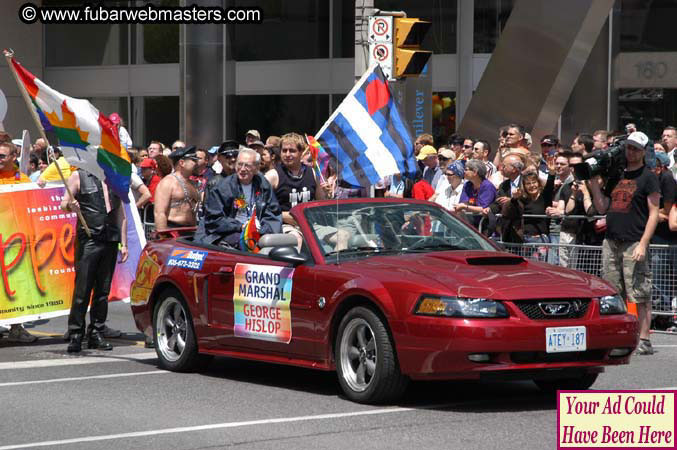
[91, 377]
[214, 426]
[75, 361]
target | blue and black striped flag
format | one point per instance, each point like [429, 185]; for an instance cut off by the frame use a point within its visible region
[368, 134]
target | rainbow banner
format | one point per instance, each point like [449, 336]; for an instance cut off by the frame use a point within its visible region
[320, 157]
[88, 139]
[261, 299]
[250, 234]
[37, 242]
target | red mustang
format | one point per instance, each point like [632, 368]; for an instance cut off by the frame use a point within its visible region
[382, 291]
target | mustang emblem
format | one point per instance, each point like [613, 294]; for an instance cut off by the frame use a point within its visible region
[555, 308]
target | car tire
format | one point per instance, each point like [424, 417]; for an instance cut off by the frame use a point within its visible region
[571, 384]
[366, 361]
[175, 342]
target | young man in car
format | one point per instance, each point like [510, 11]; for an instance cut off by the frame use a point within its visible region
[631, 208]
[229, 204]
[294, 182]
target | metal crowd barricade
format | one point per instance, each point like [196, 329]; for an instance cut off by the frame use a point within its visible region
[148, 220]
[588, 259]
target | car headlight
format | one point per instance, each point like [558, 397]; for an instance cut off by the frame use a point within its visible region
[460, 307]
[612, 304]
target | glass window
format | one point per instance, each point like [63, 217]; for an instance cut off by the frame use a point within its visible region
[441, 37]
[296, 29]
[156, 43]
[85, 44]
[344, 29]
[490, 18]
[280, 114]
[444, 116]
[650, 109]
[648, 26]
[160, 119]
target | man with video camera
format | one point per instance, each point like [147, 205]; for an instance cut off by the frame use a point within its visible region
[631, 207]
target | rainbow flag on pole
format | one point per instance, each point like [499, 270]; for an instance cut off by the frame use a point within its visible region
[320, 157]
[250, 234]
[88, 139]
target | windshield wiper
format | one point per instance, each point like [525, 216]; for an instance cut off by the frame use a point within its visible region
[434, 246]
[361, 249]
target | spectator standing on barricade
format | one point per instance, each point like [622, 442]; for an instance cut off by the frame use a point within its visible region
[230, 201]
[431, 169]
[631, 208]
[293, 182]
[251, 136]
[531, 199]
[583, 144]
[123, 134]
[515, 140]
[481, 150]
[176, 199]
[669, 139]
[155, 148]
[600, 138]
[10, 174]
[478, 192]
[95, 256]
[664, 260]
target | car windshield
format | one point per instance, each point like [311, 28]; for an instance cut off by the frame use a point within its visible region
[367, 229]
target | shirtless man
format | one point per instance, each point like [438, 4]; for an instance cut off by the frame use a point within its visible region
[176, 199]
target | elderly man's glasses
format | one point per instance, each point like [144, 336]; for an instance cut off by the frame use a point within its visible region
[242, 165]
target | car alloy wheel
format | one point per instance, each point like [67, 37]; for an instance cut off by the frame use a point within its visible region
[358, 354]
[365, 358]
[171, 329]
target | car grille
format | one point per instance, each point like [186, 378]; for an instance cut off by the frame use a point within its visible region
[536, 309]
[543, 357]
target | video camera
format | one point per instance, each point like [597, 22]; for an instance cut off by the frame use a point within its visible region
[603, 162]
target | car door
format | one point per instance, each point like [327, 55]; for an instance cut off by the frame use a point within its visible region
[259, 305]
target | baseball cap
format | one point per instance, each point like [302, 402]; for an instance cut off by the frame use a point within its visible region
[426, 150]
[148, 163]
[457, 167]
[638, 139]
[254, 133]
[115, 118]
[549, 140]
[183, 152]
[446, 153]
[229, 148]
[213, 150]
[662, 159]
[257, 142]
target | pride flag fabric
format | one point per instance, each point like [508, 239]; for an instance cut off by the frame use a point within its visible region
[250, 234]
[368, 134]
[319, 155]
[87, 138]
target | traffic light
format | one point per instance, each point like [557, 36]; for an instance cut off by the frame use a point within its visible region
[409, 58]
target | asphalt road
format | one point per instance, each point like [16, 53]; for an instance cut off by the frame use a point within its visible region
[121, 400]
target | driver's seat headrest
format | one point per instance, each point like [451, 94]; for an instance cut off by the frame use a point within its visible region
[277, 240]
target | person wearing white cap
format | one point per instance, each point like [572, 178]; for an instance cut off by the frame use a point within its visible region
[631, 207]
[251, 136]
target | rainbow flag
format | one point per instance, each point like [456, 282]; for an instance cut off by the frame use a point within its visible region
[88, 139]
[250, 234]
[320, 157]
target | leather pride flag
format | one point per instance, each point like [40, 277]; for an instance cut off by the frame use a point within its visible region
[368, 134]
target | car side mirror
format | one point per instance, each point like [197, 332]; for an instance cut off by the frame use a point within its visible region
[288, 255]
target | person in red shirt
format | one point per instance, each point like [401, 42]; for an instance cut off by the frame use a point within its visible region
[149, 175]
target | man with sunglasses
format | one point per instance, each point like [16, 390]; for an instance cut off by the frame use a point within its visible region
[176, 199]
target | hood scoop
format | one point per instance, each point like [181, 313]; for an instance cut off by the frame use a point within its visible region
[495, 260]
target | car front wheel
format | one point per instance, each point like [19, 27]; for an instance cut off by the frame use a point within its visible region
[365, 359]
[175, 342]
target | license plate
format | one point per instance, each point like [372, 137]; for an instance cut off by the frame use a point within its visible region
[565, 339]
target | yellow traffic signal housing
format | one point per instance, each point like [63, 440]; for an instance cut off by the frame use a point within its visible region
[410, 59]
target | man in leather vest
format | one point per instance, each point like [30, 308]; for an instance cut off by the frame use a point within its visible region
[95, 255]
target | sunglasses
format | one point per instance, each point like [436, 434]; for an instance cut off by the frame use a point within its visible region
[467, 146]
[3, 156]
[442, 158]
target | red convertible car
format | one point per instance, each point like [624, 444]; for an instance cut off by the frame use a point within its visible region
[381, 291]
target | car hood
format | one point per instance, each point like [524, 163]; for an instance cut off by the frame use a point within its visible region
[497, 275]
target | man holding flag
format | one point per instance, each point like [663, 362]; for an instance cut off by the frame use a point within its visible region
[232, 204]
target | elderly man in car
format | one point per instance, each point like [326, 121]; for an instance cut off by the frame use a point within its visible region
[229, 204]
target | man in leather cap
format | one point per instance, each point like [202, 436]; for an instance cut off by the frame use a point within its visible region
[95, 255]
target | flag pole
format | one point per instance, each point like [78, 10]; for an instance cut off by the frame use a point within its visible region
[9, 55]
